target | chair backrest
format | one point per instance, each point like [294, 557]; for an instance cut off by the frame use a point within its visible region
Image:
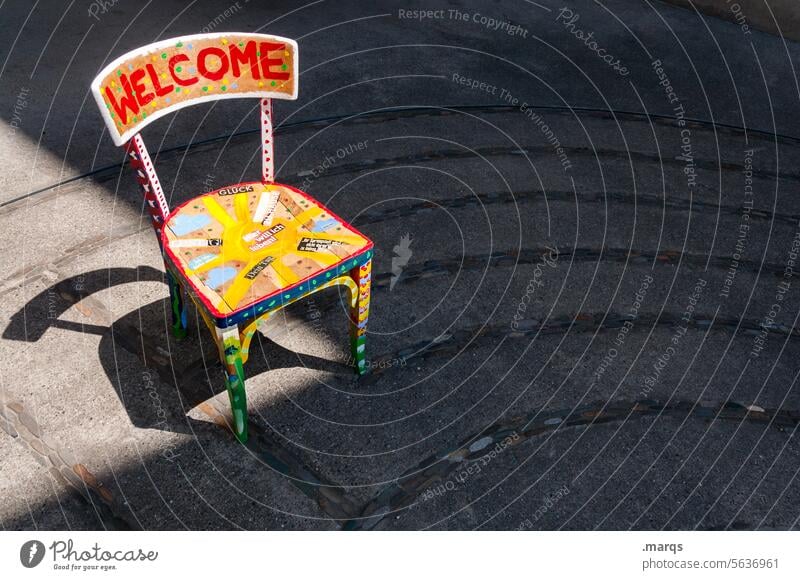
[157, 79]
[147, 83]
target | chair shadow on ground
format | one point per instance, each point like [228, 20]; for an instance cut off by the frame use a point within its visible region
[190, 366]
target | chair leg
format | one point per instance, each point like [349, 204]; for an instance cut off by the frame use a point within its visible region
[230, 348]
[178, 304]
[359, 313]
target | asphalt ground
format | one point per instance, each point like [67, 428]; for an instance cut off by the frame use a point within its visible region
[572, 336]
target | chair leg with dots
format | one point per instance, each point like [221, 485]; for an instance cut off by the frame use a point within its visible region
[359, 314]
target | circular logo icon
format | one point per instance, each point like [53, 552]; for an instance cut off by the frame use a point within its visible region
[31, 553]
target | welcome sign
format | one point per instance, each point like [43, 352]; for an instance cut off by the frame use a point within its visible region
[148, 83]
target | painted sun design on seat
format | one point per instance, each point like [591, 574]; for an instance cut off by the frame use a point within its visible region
[252, 241]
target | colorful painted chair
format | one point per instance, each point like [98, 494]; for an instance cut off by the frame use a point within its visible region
[244, 251]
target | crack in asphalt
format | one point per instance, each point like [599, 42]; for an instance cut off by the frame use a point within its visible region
[537, 195]
[436, 468]
[582, 322]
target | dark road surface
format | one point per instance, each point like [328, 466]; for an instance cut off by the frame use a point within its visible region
[586, 287]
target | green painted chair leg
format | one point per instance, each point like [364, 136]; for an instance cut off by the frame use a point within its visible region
[358, 350]
[178, 306]
[238, 399]
[230, 347]
[359, 314]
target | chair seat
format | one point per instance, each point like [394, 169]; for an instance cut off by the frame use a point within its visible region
[248, 248]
